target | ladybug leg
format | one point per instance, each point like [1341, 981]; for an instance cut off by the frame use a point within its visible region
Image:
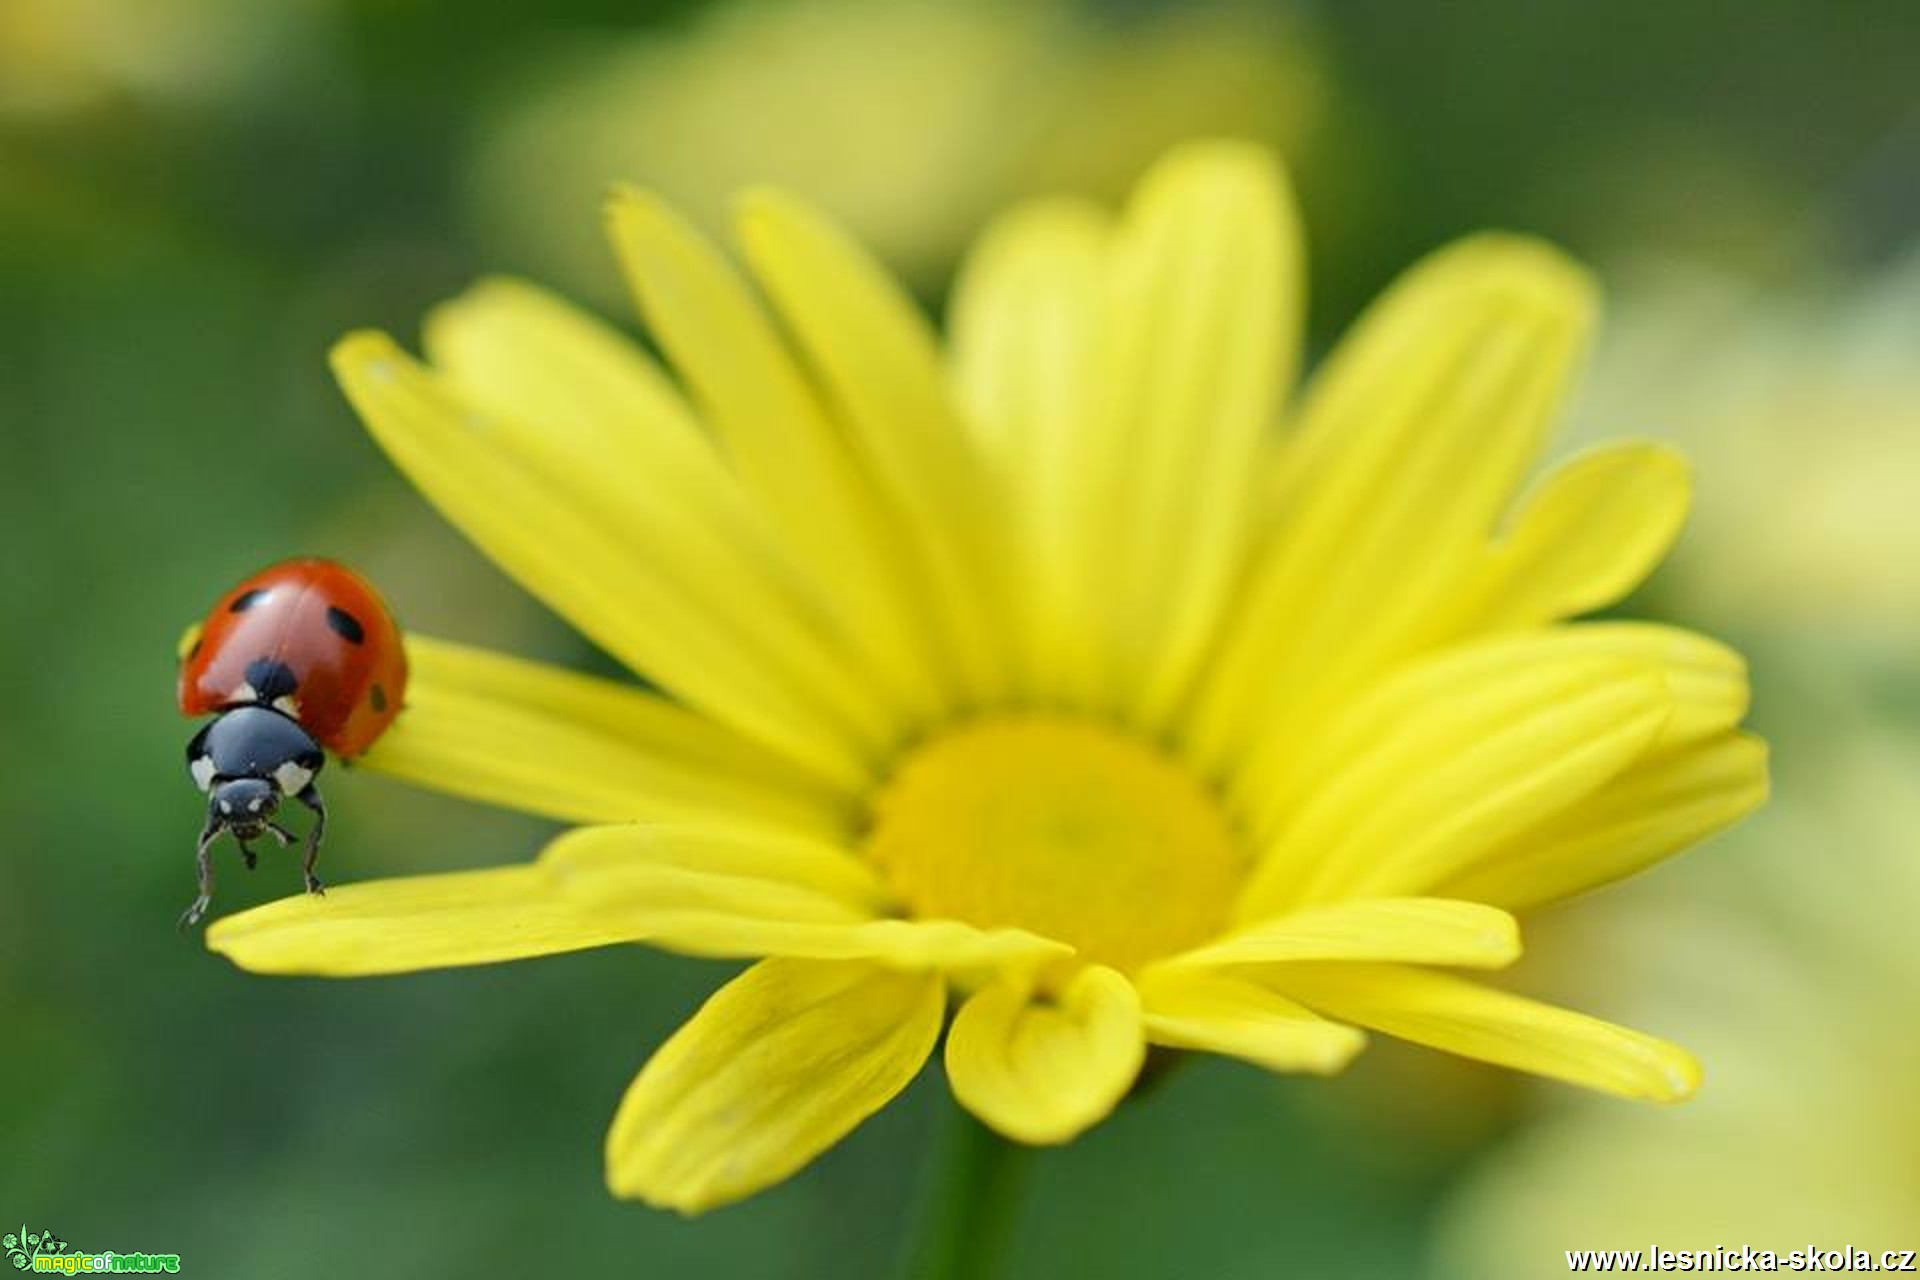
[247, 853]
[280, 833]
[203, 862]
[309, 796]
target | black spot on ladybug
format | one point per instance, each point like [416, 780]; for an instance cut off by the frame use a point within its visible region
[378, 697]
[270, 680]
[346, 624]
[247, 599]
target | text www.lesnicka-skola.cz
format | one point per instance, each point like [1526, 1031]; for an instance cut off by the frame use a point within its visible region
[1810, 1259]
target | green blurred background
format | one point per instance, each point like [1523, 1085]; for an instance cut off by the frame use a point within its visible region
[198, 196]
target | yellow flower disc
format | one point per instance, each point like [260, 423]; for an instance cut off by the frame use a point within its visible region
[1063, 827]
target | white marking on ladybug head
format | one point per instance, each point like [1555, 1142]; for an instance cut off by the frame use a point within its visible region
[244, 693]
[226, 806]
[288, 705]
[201, 767]
[293, 777]
[253, 805]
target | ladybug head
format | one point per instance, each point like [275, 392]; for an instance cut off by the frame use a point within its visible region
[244, 806]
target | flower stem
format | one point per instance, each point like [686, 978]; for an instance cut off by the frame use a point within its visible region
[971, 1203]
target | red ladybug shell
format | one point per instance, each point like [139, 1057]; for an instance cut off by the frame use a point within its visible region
[329, 628]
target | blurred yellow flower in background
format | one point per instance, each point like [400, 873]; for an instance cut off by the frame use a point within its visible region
[1796, 972]
[63, 56]
[1040, 671]
[910, 122]
[1810, 401]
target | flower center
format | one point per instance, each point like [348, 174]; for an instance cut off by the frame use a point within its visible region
[1063, 827]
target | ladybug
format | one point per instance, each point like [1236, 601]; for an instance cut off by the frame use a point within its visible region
[298, 660]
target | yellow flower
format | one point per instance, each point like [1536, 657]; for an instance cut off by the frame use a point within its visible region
[1041, 673]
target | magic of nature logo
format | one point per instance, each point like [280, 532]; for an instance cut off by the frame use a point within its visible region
[42, 1251]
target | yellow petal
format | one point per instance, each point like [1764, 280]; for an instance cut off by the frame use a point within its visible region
[1652, 811]
[875, 355]
[597, 861]
[747, 894]
[651, 873]
[1196, 345]
[418, 922]
[1591, 532]
[1448, 759]
[1479, 1022]
[1022, 322]
[1706, 684]
[788, 452]
[591, 396]
[779, 1065]
[1216, 1014]
[1407, 451]
[1406, 930]
[948, 946]
[593, 410]
[1706, 679]
[1024, 319]
[555, 534]
[534, 737]
[1042, 1067]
